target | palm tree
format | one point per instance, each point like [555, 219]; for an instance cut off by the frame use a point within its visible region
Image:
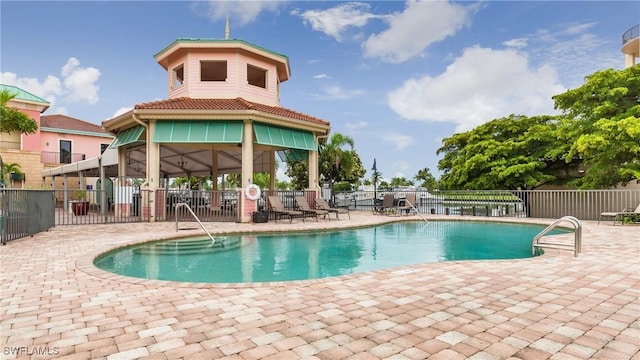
[13, 120]
[427, 179]
[8, 169]
[335, 161]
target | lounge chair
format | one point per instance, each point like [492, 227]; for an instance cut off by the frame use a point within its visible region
[619, 215]
[276, 206]
[406, 205]
[323, 205]
[386, 206]
[303, 206]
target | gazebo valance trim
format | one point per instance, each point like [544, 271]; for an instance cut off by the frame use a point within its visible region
[283, 137]
[128, 136]
[198, 131]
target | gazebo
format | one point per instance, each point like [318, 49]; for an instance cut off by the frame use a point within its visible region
[222, 116]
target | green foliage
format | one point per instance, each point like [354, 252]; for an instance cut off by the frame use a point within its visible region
[13, 120]
[298, 174]
[8, 169]
[602, 127]
[426, 179]
[507, 153]
[400, 181]
[343, 186]
[595, 143]
[336, 164]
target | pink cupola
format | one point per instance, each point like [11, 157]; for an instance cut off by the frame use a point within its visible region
[223, 69]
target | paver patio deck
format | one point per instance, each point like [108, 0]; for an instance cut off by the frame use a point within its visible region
[55, 304]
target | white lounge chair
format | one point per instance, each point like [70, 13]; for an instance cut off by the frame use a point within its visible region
[619, 215]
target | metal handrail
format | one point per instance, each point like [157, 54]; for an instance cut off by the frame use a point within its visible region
[417, 211]
[195, 217]
[577, 245]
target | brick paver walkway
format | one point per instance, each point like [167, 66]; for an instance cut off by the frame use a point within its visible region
[55, 304]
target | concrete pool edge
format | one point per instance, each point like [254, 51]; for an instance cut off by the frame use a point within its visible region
[86, 263]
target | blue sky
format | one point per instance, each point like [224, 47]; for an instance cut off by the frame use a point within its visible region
[396, 76]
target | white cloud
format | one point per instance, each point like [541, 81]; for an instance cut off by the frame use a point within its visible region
[242, 12]
[355, 126]
[398, 141]
[516, 43]
[322, 76]
[121, 111]
[337, 92]
[79, 82]
[49, 89]
[479, 86]
[335, 21]
[418, 26]
[572, 49]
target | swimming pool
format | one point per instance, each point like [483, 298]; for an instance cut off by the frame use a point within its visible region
[304, 255]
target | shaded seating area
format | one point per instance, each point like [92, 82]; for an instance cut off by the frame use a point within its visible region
[277, 208]
[304, 206]
[323, 205]
[620, 215]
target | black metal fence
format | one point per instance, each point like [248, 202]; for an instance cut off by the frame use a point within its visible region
[547, 204]
[24, 213]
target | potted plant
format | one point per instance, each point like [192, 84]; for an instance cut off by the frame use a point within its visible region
[80, 206]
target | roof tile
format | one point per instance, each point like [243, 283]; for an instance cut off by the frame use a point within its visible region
[187, 103]
[68, 123]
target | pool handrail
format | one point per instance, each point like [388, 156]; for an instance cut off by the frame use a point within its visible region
[416, 210]
[180, 204]
[577, 244]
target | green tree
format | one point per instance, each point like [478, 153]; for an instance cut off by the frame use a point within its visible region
[13, 120]
[338, 161]
[426, 179]
[8, 169]
[336, 164]
[507, 153]
[298, 173]
[602, 127]
[400, 181]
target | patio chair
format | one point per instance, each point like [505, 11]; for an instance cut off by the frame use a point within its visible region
[406, 205]
[303, 206]
[619, 215]
[278, 209]
[323, 205]
[386, 206]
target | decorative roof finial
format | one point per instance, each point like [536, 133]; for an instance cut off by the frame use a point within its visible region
[226, 29]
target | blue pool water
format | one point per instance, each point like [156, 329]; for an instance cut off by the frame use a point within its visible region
[305, 255]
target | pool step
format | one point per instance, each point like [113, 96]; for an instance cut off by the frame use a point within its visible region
[189, 246]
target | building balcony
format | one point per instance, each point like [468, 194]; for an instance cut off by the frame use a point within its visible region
[9, 145]
[631, 45]
[47, 157]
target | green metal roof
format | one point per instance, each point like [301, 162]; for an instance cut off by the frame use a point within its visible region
[23, 95]
[222, 41]
[128, 136]
[283, 137]
[198, 131]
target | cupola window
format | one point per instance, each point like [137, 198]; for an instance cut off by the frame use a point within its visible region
[213, 70]
[256, 76]
[178, 76]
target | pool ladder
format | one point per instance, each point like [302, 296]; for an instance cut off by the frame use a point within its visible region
[576, 247]
[418, 211]
[182, 204]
